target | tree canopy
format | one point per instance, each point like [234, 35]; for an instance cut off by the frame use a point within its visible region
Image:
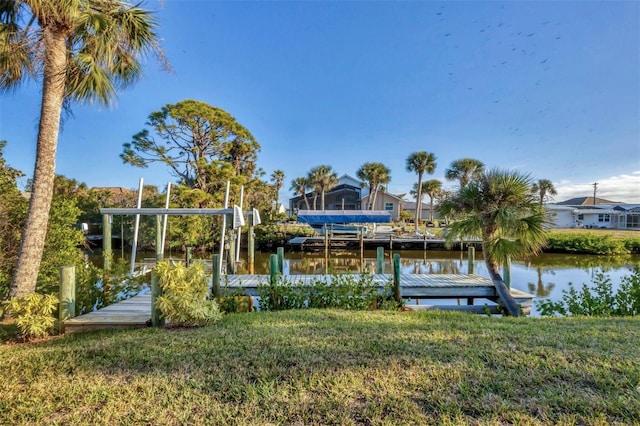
[544, 189]
[322, 178]
[376, 175]
[463, 170]
[202, 145]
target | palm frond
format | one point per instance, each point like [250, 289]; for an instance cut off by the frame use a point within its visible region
[18, 49]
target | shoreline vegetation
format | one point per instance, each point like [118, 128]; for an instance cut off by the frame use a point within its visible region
[610, 242]
[333, 367]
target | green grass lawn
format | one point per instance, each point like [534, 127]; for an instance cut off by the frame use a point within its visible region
[332, 367]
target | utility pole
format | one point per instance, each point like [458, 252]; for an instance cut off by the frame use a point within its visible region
[595, 187]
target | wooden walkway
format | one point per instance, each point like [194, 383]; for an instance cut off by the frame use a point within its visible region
[136, 312]
[425, 242]
[130, 313]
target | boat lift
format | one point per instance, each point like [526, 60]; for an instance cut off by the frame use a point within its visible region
[236, 219]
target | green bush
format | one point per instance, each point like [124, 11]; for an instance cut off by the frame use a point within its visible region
[281, 295]
[340, 291]
[185, 295]
[600, 301]
[632, 245]
[589, 243]
[234, 301]
[278, 234]
[33, 314]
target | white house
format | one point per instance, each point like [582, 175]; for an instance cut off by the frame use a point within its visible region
[606, 216]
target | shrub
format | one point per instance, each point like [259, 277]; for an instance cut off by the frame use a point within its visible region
[234, 301]
[185, 295]
[588, 243]
[281, 295]
[601, 300]
[33, 314]
[341, 291]
[278, 234]
[235, 304]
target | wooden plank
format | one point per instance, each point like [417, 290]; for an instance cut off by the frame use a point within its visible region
[130, 313]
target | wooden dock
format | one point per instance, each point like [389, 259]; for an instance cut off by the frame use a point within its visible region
[398, 242]
[136, 312]
[131, 313]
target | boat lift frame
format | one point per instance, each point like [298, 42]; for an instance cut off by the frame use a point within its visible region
[236, 220]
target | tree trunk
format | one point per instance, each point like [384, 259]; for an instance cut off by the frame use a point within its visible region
[322, 200]
[431, 208]
[35, 230]
[375, 195]
[506, 300]
[306, 201]
[419, 202]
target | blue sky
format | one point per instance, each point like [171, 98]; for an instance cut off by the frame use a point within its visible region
[549, 88]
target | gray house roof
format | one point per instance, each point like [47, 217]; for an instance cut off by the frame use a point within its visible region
[586, 201]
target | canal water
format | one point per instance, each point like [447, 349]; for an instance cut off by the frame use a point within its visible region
[544, 276]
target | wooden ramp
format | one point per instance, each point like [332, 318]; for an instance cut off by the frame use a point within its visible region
[130, 313]
[136, 312]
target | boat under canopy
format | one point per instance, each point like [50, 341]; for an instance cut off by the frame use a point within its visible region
[343, 216]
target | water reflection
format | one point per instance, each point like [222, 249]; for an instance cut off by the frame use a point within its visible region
[540, 289]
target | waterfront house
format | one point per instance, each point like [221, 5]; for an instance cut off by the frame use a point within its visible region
[605, 214]
[410, 207]
[385, 201]
[344, 196]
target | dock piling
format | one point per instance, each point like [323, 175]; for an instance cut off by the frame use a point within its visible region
[380, 260]
[107, 254]
[280, 253]
[67, 295]
[273, 269]
[156, 291]
[396, 278]
[471, 259]
[506, 272]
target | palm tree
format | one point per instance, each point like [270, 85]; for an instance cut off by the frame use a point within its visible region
[544, 189]
[299, 186]
[421, 162]
[277, 177]
[432, 188]
[464, 170]
[498, 207]
[322, 178]
[376, 175]
[81, 50]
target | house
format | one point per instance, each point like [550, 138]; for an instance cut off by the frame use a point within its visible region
[385, 201]
[344, 196]
[425, 211]
[601, 215]
[349, 194]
